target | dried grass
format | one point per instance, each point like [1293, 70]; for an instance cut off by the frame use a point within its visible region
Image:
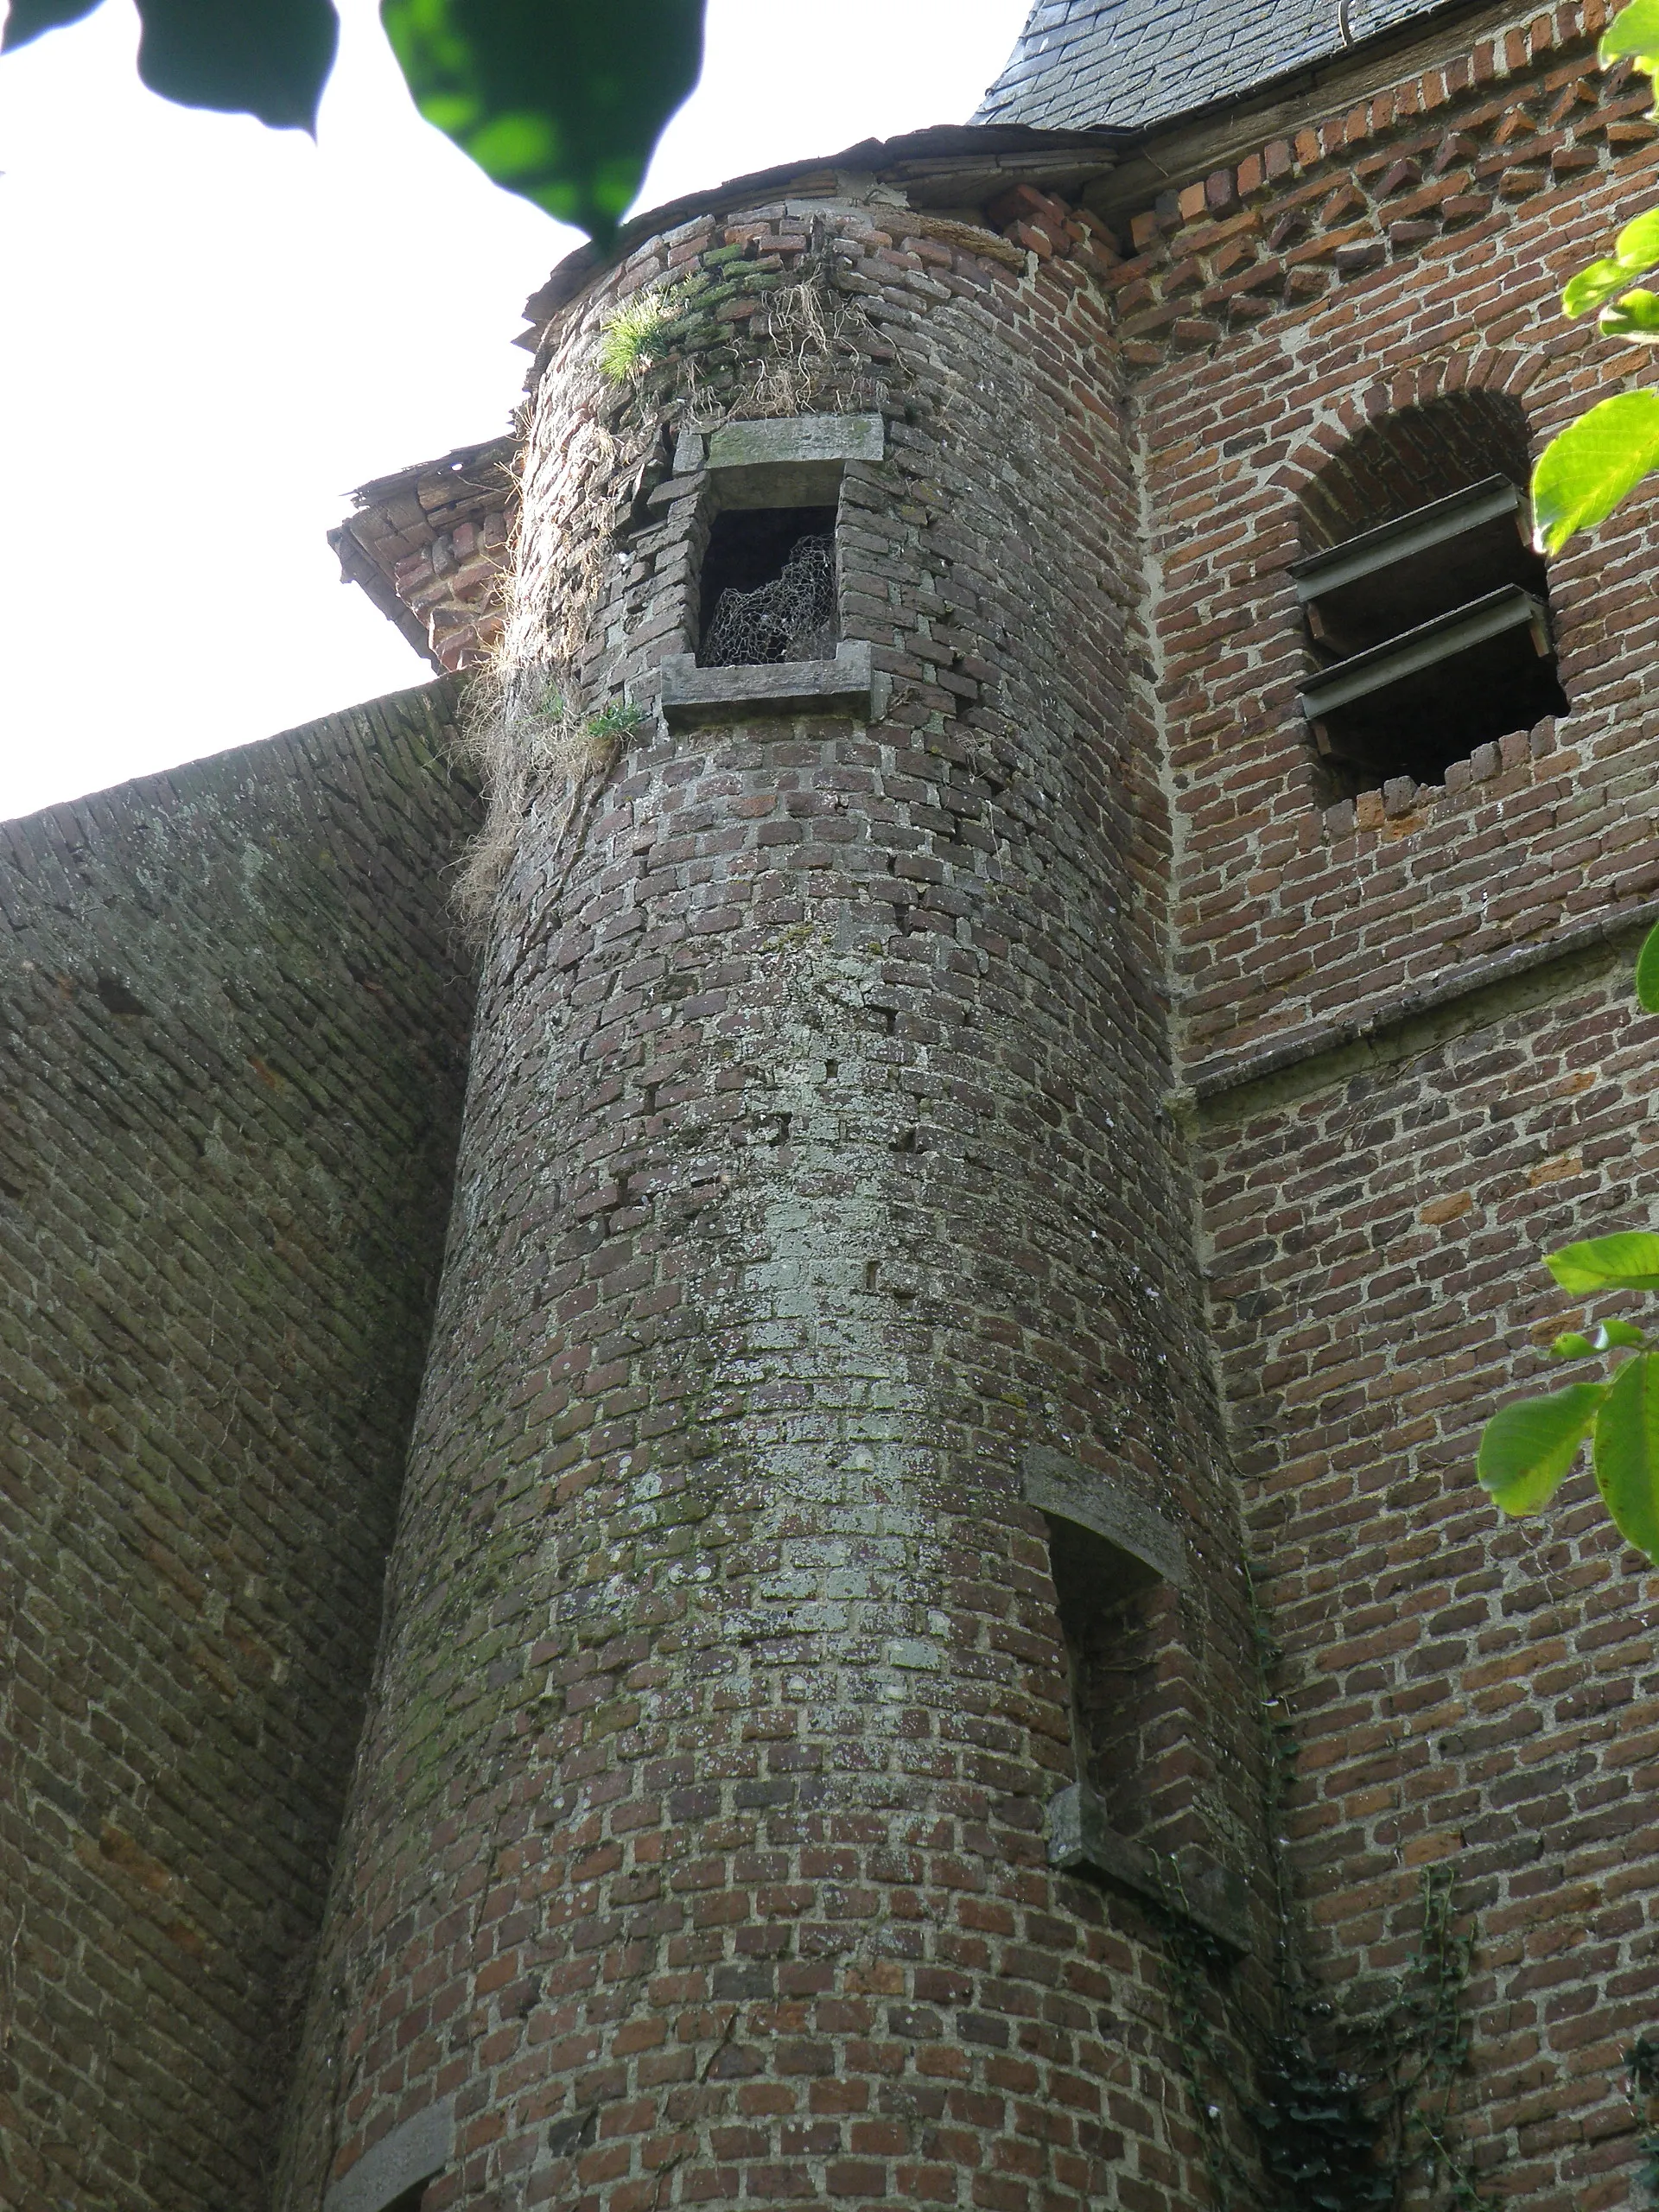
[532, 749]
[813, 337]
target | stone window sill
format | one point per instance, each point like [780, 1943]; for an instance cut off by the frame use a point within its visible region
[399, 2163]
[846, 684]
[1082, 1841]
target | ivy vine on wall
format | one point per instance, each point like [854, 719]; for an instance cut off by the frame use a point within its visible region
[1346, 2115]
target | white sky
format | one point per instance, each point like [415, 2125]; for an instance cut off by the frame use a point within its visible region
[213, 331]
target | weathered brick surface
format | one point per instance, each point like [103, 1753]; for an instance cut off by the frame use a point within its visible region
[430, 546]
[814, 1165]
[232, 1048]
[1460, 1689]
[1290, 910]
[1056, 1059]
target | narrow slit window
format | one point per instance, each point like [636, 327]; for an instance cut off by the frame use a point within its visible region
[769, 587]
[1110, 1609]
[1426, 607]
[1131, 1820]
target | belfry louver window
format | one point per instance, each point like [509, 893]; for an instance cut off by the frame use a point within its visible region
[1430, 635]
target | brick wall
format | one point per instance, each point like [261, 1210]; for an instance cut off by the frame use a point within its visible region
[819, 1160]
[1410, 1070]
[233, 1036]
[1462, 1689]
[815, 1165]
[430, 546]
[1410, 249]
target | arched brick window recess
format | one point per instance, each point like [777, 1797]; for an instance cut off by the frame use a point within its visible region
[1427, 609]
[1119, 1570]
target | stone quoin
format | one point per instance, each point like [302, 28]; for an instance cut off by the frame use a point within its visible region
[859, 1579]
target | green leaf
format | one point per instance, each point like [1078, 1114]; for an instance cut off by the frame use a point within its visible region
[1593, 285]
[1647, 973]
[1618, 1332]
[1635, 314]
[1636, 246]
[1633, 31]
[1635, 250]
[1583, 474]
[558, 101]
[1571, 1345]
[1527, 1448]
[28, 18]
[1627, 1452]
[1627, 1262]
[269, 58]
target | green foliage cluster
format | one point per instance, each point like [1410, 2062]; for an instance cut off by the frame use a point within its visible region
[265, 58]
[1344, 2119]
[1348, 2138]
[684, 317]
[616, 719]
[1583, 474]
[556, 100]
[640, 332]
[1318, 2128]
[1527, 1449]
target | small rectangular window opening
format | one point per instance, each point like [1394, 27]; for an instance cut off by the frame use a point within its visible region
[769, 587]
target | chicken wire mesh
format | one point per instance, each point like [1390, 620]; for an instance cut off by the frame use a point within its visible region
[791, 618]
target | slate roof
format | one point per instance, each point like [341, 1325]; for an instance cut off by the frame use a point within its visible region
[1085, 62]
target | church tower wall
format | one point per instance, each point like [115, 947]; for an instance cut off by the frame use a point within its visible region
[1413, 1062]
[819, 1294]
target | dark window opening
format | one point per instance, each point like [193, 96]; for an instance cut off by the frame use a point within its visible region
[1428, 610]
[769, 587]
[1111, 1608]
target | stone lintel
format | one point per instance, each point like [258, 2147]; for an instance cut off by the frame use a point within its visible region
[1082, 1841]
[781, 439]
[843, 685]
[422, 2146]
[792, 460]
[1146, 1547]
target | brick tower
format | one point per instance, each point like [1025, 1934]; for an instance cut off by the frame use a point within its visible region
[821, 1258]
[1055, 913]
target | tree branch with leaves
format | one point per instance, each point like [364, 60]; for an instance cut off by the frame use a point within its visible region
[1528, 1450]
[556, 100]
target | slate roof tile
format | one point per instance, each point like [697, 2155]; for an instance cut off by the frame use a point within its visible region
[1082, 62]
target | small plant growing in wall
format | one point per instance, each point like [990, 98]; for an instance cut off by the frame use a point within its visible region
[1354, 2133]
[638, 333]
[525, 736]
